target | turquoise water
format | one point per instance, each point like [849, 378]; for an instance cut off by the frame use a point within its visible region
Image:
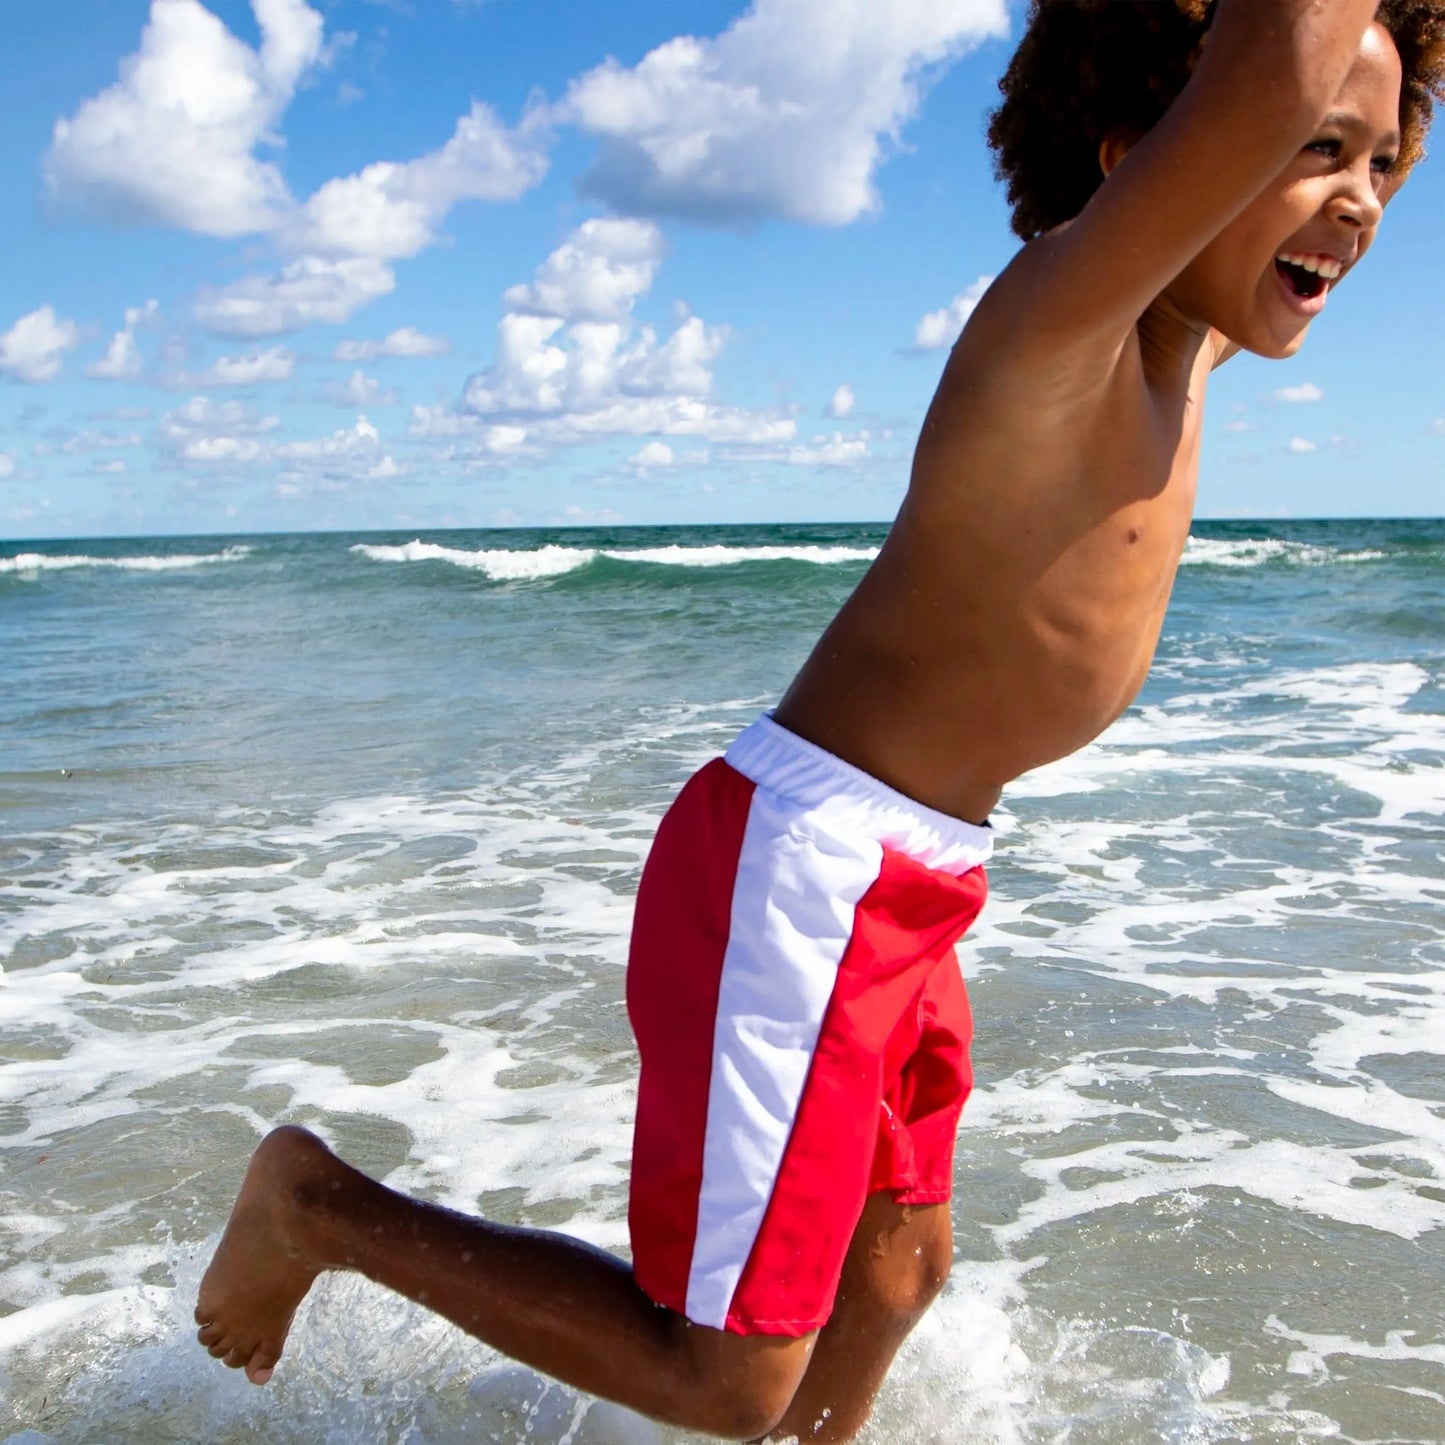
[344, 830]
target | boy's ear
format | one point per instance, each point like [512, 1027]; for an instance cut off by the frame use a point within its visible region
[1113, 148]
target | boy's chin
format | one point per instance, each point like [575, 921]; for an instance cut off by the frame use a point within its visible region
[1272, 348]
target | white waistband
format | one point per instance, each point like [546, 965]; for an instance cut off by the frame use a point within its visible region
[773, 758]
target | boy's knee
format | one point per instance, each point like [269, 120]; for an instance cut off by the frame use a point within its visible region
[919, 1280]
[742, 1385]
[753, 1415]
[909, 1269]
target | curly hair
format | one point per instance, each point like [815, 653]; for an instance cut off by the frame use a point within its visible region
[1089, 69]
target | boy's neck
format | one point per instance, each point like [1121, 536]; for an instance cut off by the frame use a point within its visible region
[1171, 341]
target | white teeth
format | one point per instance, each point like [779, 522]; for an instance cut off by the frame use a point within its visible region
[1321, 265]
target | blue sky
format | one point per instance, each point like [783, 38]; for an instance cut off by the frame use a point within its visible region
[285, 265]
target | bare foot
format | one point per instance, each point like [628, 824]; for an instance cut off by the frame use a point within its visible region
[266, 1261]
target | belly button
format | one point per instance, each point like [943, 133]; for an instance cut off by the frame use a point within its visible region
[1133, 535]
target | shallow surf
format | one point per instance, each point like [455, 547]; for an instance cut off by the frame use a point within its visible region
[344, 830]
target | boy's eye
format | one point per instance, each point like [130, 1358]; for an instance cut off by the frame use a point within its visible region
[1324, 147]
[1383, 164]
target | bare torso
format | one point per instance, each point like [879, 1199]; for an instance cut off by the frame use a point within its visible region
[1014, 610]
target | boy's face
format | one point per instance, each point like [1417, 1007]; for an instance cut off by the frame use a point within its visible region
[1265, 277]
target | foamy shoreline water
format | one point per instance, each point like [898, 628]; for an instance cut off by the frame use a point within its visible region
[354, 845]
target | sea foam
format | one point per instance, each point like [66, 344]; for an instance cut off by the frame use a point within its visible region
[517, 564]
[34, 562]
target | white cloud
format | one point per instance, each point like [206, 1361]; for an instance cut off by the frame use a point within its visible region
[275, 363]
[173, 141]
[440, 422]
[122, 357]
[842, 402]
[203, 430]
[34, 349]
[942, 328]
[654, 454]
[7, 465]
[391, 209]
[360, 390]
[1301, 445]
[834, 451]
[504, 441]
[786, 113]
[306, 291]
[1306, 391]
[354, 453]
[575, 364]
[1236, 427]
[405, 341]
[222, 449]
[209, 433]
[95, 441]
[346, 439]
[597, 274]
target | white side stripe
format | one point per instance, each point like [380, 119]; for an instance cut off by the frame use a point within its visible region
[792, 916]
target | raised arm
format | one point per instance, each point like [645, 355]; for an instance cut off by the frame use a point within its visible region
[1268, 74]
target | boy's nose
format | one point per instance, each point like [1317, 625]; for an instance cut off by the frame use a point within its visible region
[1356, 202]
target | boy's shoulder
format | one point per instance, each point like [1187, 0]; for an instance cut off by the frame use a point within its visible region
[1018, 351]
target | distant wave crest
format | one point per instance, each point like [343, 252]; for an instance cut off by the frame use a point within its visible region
[46, 562]
[1259, 551]
[508, 565]
[500, 564]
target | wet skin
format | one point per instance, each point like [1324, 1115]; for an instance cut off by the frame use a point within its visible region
[1015, 608]
[1010, 617]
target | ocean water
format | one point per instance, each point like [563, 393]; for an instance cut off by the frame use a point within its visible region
[344, 830]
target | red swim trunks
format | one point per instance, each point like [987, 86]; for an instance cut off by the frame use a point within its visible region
[802, 1024]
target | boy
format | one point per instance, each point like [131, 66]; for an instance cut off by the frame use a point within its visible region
[800, 1016]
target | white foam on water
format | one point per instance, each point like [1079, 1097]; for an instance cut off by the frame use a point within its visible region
[499, 563]
[982, 1368]
[731, 556]
[362, 1366]
[152, 947]
[1258, 552]
[1318, 1348]
[512, 564]
[32, 563]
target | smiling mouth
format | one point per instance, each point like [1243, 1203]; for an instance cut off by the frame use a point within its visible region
[1305, 284]
[1307, 276]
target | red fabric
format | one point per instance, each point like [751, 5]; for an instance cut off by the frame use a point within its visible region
[679, 937]
[881, 1008]
[887, 1080]
[927, 1061]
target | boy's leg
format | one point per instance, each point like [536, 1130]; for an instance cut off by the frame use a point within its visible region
[897, 1263]
[548, 1301]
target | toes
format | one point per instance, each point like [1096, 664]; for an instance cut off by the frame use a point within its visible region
[262, 1364]
[209, 1333]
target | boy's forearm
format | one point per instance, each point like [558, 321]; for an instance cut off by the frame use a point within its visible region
[1288, 58]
